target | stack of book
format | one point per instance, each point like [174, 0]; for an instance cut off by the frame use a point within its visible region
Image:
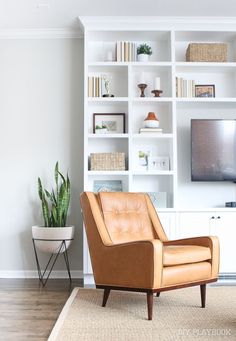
[94, 86]
[150, 130]
[126, 51]
[185, 87]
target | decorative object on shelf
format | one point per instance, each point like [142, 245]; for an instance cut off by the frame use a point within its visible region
[157, 87]
[143, 52]
[114, 123]
[159, 163]
[107, 186]
[143, 157]
[107, 81]
[54, 237]
[157, 93]
[205, 90]
[150, 131]
[206, 52]
[142, 87]
[159, 199]
[151, 121]
[185, 87]
[107, 161]
[101, 129]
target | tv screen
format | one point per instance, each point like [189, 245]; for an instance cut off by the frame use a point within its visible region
[213, 144]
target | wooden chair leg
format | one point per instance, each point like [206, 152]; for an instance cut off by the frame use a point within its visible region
[105, 297]
[157, 294]
[150, 304]
[203, 295]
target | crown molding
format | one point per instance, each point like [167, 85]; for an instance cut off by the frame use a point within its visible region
[39, 33]
[155, 22]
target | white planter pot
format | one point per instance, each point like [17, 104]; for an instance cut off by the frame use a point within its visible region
[143, 57]
[151, 124]
[52, 238]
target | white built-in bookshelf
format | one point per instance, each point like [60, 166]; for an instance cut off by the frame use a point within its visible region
[169, 39]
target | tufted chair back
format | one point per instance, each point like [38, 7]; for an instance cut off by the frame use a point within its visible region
[130, 217]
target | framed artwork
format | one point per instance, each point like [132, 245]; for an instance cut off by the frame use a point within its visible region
[158, 199]
[205, 90]
[143, 159]
[110, 123]
[107, 186]
[159, 163]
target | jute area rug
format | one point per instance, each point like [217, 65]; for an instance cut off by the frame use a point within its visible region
[177, 315]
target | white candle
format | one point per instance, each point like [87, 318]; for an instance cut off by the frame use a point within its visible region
[157, 83]
[142, 78]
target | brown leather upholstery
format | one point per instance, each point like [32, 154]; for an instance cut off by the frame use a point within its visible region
[185, 254]
[126, 220]
[129, 248]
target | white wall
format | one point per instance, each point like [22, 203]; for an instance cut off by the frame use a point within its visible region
[41, 110]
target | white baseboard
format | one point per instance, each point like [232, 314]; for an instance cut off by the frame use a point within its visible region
[34, 274]
[88, 280]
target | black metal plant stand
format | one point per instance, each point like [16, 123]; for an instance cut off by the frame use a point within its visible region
[52, 260]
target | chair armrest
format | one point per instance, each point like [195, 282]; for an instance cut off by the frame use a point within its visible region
[135, 265]
[208, 241]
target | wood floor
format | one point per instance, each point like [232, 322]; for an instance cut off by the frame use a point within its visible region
[28, 311]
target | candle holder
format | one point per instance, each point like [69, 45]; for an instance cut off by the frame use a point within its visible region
[142, 87]
[157, 93]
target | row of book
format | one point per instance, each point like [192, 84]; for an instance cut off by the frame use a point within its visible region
[95, 86]
[126, 51]
[185, 87]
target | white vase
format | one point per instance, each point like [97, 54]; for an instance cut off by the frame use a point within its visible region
[151, 124]
[51, 238]
[143, 57]
[151, 121]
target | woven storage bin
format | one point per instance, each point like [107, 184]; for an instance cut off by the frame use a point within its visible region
[107, 161]
[202, 52]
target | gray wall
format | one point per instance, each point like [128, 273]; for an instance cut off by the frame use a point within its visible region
[41, 110]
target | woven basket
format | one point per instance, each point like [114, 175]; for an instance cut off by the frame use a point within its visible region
[202, 52]
[107, 161]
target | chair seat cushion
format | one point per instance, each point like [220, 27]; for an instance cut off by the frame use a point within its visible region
[185, 254]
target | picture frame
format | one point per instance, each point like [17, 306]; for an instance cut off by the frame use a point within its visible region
[159, 163]
[114, 123]
[143, 159]
[107, 186]
[206, 90]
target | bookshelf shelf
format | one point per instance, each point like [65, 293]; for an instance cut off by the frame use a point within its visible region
[108, 136]
[152, 136]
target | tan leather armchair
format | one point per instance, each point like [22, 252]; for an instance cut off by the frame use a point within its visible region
[130, 251]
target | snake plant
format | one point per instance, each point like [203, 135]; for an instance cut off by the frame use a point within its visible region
[55, 204]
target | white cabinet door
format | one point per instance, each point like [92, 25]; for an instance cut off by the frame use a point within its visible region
[194, 224]
[225, 229]
[168, 223]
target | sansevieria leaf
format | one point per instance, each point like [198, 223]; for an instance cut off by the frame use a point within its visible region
[56, 210]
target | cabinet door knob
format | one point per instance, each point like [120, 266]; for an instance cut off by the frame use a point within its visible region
[212, 217]
[218, 217]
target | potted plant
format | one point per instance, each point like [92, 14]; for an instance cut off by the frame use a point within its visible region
[143, 52]
[48, 238]
[101, 129]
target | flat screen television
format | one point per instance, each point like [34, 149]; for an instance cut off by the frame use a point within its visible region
[213, 150]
